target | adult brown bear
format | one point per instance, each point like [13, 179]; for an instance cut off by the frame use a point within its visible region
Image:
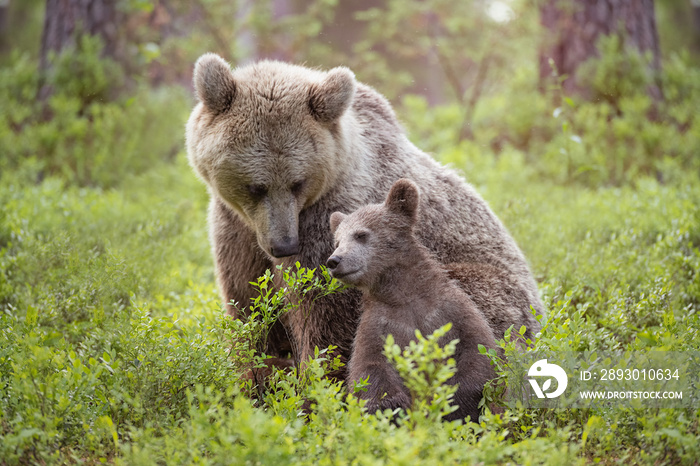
[281, 147]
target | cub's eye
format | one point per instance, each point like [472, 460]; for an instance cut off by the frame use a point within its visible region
[297, 188]
[361, 236]
[257, 190]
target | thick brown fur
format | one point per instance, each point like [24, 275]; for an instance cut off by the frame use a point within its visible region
[404, 289]
[497, 295]
[281, 147]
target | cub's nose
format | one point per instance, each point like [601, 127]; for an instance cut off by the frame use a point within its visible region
[333, 262]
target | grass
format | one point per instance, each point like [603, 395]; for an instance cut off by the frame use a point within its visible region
[114, 345]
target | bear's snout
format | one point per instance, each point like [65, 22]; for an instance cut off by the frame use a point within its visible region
[333, 262]
[286, 247]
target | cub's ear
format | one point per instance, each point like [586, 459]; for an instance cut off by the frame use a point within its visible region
[336, 218]
[329, 99]
[214, 83]
[403, 198]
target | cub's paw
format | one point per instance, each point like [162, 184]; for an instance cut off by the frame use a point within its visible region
[395, 401]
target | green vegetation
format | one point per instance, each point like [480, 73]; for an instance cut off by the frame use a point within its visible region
[114, 346]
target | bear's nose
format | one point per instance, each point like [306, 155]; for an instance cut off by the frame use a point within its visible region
[333, 262]
[284, 248]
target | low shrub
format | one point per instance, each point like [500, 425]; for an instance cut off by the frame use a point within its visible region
[80, 131]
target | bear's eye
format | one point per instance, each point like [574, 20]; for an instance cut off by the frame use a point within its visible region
[257, 190]
[297, 188]
[361, 236]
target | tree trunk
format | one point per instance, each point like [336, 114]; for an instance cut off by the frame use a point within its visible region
[575, 26]
[66, 20]
[4, 7]
[695, 5]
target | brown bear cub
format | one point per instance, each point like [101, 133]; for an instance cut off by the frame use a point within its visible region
[404, 288]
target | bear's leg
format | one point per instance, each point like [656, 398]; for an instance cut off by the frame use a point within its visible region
[386, 389]
[467, 397]
[473, 372]
[332, 320]
[240, 261]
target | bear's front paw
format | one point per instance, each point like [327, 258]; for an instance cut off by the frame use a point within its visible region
[397, 400]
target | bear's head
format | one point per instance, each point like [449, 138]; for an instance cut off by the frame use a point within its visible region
[268, 141]
[375, 237]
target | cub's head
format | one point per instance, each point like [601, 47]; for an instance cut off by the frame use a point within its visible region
[267, 140]
[375, 237]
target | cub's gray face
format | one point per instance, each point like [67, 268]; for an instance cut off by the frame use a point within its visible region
[368, 241]
[356, 246]
[267, 141]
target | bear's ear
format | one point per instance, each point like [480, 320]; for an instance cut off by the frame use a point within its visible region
[214, 83]
[329, 99]
[336, 218]
[403, 198]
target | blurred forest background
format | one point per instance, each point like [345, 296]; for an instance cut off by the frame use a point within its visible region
[576, 120]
